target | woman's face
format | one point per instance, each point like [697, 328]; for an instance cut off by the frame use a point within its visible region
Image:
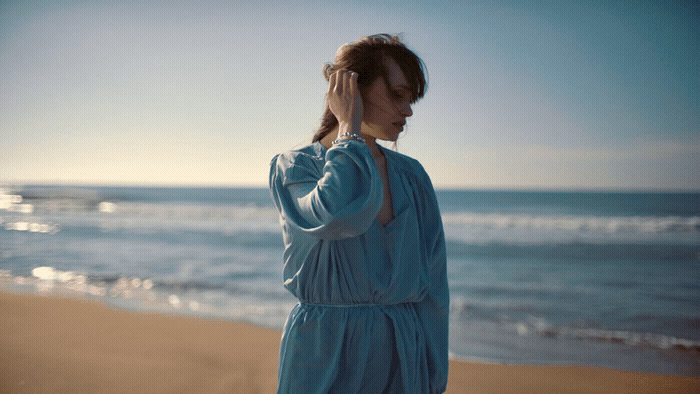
[386, 105]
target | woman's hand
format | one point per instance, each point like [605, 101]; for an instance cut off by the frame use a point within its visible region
[345, 101]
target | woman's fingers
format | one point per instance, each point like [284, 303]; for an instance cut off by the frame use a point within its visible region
[344, 97]
[342, 82]
[347, 82]
[331, 82]
[354, 89]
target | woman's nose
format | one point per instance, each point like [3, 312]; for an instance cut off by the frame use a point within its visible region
[406, 110]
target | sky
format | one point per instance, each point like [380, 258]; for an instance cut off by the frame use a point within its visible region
[549, 95]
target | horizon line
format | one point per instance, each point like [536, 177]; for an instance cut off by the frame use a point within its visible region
[479, 188]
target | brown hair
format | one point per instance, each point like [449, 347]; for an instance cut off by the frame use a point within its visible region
[366, 57]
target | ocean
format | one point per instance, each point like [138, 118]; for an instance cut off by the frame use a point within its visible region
[561, 278]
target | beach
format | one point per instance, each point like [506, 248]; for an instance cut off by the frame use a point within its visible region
[537, 278]
[71, 344]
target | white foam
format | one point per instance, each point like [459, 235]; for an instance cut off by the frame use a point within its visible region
[174, 301]
[631, 338]
[33, 227]
[606, 224]
[226, 219]
[107, 207]
[45, 273]
[482, 228]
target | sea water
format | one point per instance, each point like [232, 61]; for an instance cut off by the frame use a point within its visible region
[589, 278]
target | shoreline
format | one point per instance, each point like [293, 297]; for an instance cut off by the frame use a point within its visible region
[52, 343]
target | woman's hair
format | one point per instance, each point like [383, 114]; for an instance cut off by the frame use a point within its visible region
[367, 57]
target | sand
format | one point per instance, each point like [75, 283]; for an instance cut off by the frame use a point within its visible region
[53, 344]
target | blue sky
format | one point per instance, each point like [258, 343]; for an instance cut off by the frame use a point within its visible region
[561, 95]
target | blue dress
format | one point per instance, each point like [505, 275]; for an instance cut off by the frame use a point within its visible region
[373, 300]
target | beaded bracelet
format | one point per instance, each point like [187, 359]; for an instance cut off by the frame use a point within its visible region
[349, 135]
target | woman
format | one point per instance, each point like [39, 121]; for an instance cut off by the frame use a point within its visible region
[364, 243]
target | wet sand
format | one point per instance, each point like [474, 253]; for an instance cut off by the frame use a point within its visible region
[53, 344]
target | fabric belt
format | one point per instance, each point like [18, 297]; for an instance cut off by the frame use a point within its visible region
[354, 305]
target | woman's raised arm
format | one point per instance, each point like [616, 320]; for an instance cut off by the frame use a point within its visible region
[339, 201]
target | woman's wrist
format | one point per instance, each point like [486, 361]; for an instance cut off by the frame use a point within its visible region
[349, 126]
[349, 136]
[349, 130]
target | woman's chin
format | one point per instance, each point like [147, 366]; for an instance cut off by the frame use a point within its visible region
[388, 138]
[393, 137]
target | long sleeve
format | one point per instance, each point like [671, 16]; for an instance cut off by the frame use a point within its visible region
[339, 200]
[433, 310]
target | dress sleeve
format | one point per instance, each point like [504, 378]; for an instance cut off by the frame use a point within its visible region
[341, 201]
[433, 310]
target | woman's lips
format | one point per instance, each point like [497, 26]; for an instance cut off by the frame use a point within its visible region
[399, 125]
